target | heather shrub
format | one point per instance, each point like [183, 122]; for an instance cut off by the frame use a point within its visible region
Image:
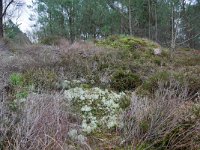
[52, 40]
[40, 78]
[77, 96]
[122, 80]
[129, 43]
[193, 81]
[167, 121]
[43, 120]
[151, 84]
[157, 61]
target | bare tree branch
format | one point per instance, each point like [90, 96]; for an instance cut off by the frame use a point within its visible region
[189, 39]
[4, 12]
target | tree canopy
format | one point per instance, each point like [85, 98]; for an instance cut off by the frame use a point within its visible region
[168, 22]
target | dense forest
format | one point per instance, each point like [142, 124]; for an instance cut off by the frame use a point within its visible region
[100, 75]
[168, 22]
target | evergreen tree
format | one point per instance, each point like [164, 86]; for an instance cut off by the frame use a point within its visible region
[169, 22]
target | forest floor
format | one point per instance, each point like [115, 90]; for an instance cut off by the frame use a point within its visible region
[116, 93]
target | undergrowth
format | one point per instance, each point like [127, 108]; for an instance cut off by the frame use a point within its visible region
[78, 96]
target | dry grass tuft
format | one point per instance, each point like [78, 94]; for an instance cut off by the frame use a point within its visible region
[165, 122]
[41, 122]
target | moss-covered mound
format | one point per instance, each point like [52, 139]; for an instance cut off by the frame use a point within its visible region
[136, 57]
[135, 49]
[129, 42]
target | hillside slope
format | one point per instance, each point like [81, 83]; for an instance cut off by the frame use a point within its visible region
[118, 93]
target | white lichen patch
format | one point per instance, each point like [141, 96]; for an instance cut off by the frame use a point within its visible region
[66, 84]
[73, 135]
[99, 108]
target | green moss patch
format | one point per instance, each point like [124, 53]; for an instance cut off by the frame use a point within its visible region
[129, 43]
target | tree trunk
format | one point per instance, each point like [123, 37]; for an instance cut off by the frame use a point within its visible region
[50, 22]
[1, 19]
[173, 35]
[2, 14]
[71, 26]
[156, 23]
[130, 18]
[149, 4]
[187, 28]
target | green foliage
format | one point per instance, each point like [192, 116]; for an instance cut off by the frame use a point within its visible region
[123, 80]
[188, 59]
[135, 49]
[101, 18]
[144, 146]
[85, 86]
[157, 60]
[129, 43]
[40, 78]
[22, 94]
[11, 30]
[19, 91]
[151, 84]
[193, 83]
[16, 79]
[195, 111]
[125, 103]
[184, 132]
[144, 126]
[50, 40]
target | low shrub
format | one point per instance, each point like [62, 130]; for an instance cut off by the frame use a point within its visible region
[51, 40]
[187, 58]
[16, 79]
[166, 121]
[157, 61]
[44, 120]
[151, 84]
[40, 78]
[17, 90]
[194, 84]
[122, 80]
[129, 43]
[192, 77]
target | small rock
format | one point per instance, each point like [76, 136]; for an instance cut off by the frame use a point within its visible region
[157, 51]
